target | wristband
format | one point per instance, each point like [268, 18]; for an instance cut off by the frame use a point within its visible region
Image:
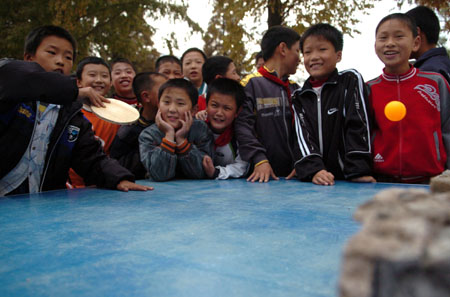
[261, 162]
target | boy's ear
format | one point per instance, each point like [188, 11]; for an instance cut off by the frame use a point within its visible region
[282, 47]
[339, 56]
[416, 43]
[145, 96]
[217, 76]
[79, 83]
[28, 57]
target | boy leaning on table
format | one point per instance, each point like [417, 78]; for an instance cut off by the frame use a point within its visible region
[42, 131]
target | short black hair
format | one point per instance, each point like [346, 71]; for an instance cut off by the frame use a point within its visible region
[409, 21]
[193, 49]
[217, 65]
[276, 35]
[326, 31]
[183, 84]
[121, 60]
[227, 86]
[144, 81]
[90, 60]
[35, 37]
[427, 21]
[165, 59]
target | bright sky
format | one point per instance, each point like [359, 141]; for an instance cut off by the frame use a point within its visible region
[358, 52]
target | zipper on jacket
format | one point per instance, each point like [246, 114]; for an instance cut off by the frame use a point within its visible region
[53, 148]
[285, 125]
[319, 119]
[401, 132]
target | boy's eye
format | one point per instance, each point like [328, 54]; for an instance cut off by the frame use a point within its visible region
[51, 52]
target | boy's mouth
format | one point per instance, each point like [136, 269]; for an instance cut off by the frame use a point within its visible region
[124, 82]
[59, 70]
[98, 88]
[390, 53]
[315, 65]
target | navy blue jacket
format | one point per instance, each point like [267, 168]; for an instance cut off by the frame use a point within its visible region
[72, 142]
[435, 60]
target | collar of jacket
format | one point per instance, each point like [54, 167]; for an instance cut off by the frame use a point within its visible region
[438, 51]
[404, 76]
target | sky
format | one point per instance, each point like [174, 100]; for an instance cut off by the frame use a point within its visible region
[358, 52]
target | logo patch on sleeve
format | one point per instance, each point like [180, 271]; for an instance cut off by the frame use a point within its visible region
[73, 132]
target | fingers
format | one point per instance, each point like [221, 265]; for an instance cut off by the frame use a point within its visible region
[126, 186]
[201, 115]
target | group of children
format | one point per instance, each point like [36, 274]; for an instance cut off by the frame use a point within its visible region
[198, 121]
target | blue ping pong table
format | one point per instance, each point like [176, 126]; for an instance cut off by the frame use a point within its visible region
[185, 238]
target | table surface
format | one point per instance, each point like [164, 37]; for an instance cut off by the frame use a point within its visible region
[185, 238]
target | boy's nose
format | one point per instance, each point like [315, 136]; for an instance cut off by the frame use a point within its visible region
[59, 61]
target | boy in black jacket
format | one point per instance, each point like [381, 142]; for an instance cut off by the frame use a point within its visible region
[331, 117]
[42, 131]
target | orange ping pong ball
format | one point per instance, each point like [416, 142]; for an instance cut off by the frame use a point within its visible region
[395, 111]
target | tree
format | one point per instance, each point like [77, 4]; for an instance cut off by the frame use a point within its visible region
[298, 14]
[108, 28]
[224, 34]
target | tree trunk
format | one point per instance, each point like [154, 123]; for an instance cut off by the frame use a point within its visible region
[274, 11]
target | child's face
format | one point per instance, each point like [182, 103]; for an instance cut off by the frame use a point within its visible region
[231, 72]
[122, 78]
[394, 43]
[173, 104]
[171, 70]
[320, 57]
[192, 67]
[221, 110]
[259, 63]
[53, 54]
[96, 76]
[292, 58]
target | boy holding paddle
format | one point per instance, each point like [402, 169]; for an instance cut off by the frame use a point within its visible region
[42, 131]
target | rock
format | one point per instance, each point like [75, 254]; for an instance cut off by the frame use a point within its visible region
[404, 240]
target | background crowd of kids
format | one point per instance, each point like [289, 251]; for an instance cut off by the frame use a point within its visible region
[198, 119]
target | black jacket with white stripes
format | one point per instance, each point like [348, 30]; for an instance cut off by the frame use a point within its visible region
[332, 127]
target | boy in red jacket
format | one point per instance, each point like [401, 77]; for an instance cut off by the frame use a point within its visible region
[415, 148]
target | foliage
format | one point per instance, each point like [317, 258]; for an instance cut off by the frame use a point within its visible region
[298, 14]
[109, 28]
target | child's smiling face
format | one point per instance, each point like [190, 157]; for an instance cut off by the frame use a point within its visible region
[221, 110]
[393, 45]
[320, 57]
[173, 105]
[96, 76]
[122, 78]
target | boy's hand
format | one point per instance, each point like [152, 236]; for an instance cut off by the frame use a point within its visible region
[201, 115]
[126, 186]
[181, 133]
[208, 166]
[292, 174]
[165, 127]
[324, 178]
[95, 98]
[262, 173]
[364, 179]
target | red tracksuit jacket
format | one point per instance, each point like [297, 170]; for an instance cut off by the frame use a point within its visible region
[416, 147]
